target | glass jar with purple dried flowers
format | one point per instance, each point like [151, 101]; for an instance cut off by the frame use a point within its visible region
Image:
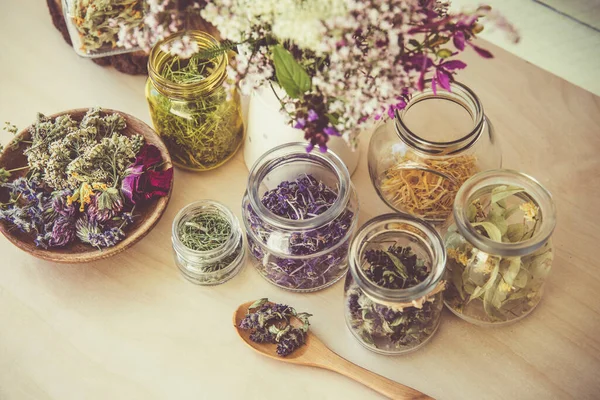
[300, 212]
[393, 293]
[208, 243]
[438, 139]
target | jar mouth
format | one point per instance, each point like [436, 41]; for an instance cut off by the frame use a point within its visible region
[293, 152]
[459, 94]
[158, 58]
[405, 226]
[218, 252]
[484, 182]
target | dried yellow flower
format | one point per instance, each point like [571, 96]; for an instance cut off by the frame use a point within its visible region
[504, 287]
[530, 211]
[458, 256]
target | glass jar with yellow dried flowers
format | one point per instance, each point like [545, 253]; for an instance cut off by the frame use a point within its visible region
[419, 159]
[393, 294]
[499, 247]
[199, 120]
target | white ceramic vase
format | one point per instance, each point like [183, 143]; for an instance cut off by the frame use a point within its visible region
[266, 129]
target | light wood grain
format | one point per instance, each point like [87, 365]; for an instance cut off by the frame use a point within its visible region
[131, 327]
[314, 353]
[147, 214]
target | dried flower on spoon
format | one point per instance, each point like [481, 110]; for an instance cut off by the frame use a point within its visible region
[274, 323]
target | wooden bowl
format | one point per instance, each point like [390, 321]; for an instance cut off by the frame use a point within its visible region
[147, 214]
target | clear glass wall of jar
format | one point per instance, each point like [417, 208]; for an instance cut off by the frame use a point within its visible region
[198, 121]
[419, 159]
[385, 313]
[214, 266]
[300, 212]
[499, 247]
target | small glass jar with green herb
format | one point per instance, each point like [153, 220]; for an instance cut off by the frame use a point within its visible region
[499, 247]
[393, 294]
[199, 120]
[208, 244]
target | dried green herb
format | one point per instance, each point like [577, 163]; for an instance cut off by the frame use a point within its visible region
[205, 231]
[385, 327]
[491, 288]
[98, 22]
[202, 130]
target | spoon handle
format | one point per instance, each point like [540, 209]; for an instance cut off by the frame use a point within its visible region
[384, 386]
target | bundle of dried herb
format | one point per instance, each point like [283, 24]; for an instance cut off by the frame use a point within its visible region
[421, 187]
[273, 323]
[386, 327]
[98, 22]
[201, 130]
[287, 260]
[488, 287]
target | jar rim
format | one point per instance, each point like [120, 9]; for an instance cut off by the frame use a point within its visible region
[459, 94]
[282, 154]
[490, 179]
[219, 252]
[158, 57]
[386, 295]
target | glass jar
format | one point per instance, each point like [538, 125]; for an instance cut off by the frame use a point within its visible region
[199, 120]
[386, 313]
[300, 211]
[94, 25]
[499, 247]
[218, 264]
[419, 159]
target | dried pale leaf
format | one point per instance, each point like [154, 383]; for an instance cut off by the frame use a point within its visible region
[491, 229]
[515, 232]
[513, 270]
[258, 303]
[398, 264]
[483, 289]
[503, 191]
[456, 277]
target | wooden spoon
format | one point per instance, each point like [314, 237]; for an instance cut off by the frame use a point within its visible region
[315, 354]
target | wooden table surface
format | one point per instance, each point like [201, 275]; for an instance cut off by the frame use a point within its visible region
[131, 327]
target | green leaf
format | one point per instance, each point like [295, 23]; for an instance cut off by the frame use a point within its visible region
[503, 191]
[456, 277]
[515, 232]
[399, 321]
[258, 303]
[491, 229]
[444, 53]
[290, 75]
[510, 212]
[398, 264]
[521, 279]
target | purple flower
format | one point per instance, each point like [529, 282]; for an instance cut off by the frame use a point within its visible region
[459, 40]
[300, 123]
[143, 183]
[331, 131]
[312, 115]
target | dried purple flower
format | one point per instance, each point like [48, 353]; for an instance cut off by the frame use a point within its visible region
[304, 198]
[273, 323]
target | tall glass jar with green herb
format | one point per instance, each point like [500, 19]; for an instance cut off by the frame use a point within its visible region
[199, 119]
[499, 247]
[393, 294]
